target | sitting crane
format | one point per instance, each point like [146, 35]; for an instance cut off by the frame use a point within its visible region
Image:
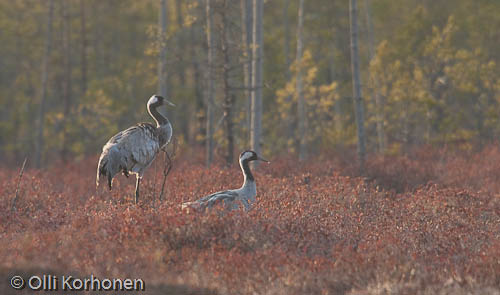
[231, 198]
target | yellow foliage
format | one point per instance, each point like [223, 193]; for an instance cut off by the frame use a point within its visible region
[319, 100]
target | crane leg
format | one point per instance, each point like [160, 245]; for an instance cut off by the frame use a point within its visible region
[137, 182]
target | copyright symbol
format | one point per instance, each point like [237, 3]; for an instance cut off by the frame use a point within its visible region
[17, 282]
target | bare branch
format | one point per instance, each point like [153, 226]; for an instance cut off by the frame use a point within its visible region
[168, 164]
[18, 185]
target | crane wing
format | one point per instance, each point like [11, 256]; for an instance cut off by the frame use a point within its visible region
[132, 149]
[209, 201]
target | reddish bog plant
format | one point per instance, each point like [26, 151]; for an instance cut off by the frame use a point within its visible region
[407, 228]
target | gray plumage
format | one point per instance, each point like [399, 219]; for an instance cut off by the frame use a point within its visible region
[134, 149]
[232, 198]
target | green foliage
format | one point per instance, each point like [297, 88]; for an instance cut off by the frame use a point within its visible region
[439, 90]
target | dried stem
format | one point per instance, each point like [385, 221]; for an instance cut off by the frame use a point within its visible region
[168, 165]
[18, 185]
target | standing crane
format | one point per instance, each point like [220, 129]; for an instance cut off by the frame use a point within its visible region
[134, 149]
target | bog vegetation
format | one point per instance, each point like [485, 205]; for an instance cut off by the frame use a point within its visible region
[426, 223]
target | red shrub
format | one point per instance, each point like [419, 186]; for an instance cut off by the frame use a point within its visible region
[434, 228]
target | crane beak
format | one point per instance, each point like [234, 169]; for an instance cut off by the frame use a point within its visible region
[263, 160]
[169, 102]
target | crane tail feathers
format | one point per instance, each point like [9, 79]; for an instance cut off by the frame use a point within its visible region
[110, 180]
[104, 171]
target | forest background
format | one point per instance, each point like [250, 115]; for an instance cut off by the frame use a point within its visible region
[73, 73]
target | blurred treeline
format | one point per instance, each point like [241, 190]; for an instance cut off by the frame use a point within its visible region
[429, 73]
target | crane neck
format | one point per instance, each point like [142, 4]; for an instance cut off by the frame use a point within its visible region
[159, 118]
[247, 174]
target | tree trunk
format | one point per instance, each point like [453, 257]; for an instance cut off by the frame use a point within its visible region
[228, 96]
[301, 107]
[286, 45]
[247, 29]
[67, 78]
[377, 98]
[162, 38]
[210, 83]
[43, 92]
[289, 121]
[83, 53]
[180, 23]
[356, 84]
[256, 108]
[200, 105]
[181, 71]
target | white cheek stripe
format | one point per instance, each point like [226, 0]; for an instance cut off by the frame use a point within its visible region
[246, 155]
[153, 100]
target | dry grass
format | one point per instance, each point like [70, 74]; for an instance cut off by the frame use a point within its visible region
[314, 230]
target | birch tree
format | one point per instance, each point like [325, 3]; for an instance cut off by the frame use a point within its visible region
[67, 93]
[289, 122]
[286, 38]
[181, 71]
[246, 33]
[301, 108]
[194, 36]
[83, 50]
[210, 83]
[257, 51]
[162, 38]
[376, 97]
[356, 84]
[43, 90]
[228, 95]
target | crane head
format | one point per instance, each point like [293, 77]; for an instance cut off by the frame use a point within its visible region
[157, 100]
[251, 156]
